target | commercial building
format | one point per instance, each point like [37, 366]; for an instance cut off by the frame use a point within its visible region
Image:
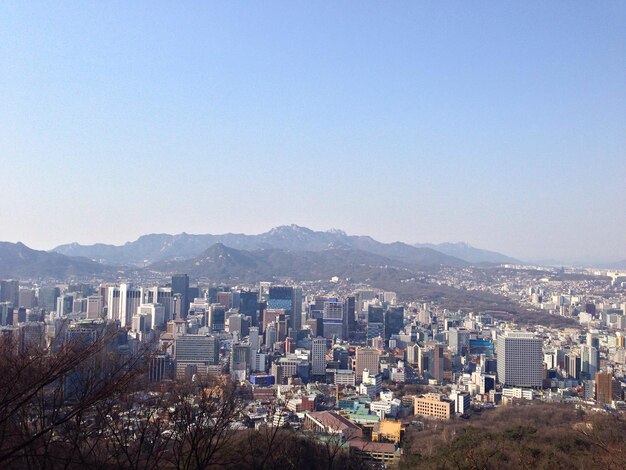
[318, 357]
[433, 405]
[520, 359]
[366, 358]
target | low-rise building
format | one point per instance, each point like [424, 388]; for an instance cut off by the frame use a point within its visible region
[433, 405]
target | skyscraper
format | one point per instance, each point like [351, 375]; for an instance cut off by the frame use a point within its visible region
[122, 303]
[604, 387]
[281, 297]
[249, 305]
[318, 357]
[520, 359]
[394, 321]
[162, 296]
[254, 339]
[349, 309]
[366, 358]
[296, 323]
[240, 361]
[180, 285]
[375, 322]
[333, 319]
[10, 292]
[217, 317]
[130, 300]
[47, 298]
[458, 341]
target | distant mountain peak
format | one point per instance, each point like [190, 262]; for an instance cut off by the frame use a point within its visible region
[337, 231]
[289, 229]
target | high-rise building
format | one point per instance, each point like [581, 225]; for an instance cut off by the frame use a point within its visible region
[27, 298]
[249, 306]
[94, 306]
[198, 350]
[318, 357]
[333, 319]
[240, 361]
[238, 323]
[270, 316]
[264, 291]
[394, 321]
[366, 358]
[253, 337]
[604, 387]
[225, 298]
[180, 286]
[281, 297]
[458, 341]
[65, 305]
[47, 298]
[162, 296]
[122, 303]
[412, 354]
[520, 359]
[573, 365]
[155, 312]
[130, 300]
[296, 323]
[10, 292]
[438, 363]
[217, 317]
[349, 309]
[375, 322]
[6, 313]
[200, 309]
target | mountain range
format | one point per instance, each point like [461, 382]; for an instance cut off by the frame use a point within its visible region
[286, 251]
[19, 261]
[153, 248]
[229, 264]
[469, 253]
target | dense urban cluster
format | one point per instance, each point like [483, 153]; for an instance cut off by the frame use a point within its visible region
[360, 366]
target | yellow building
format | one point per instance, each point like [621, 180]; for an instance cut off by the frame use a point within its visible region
[433, 405]
[388, 430]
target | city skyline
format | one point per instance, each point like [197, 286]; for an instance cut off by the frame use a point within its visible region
[500, 125]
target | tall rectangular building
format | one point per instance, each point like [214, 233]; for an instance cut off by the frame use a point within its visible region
[366, 358]
[318, 356]
[281, 297]
[333, 319]
[520, 359]
[180, 286]
[249, 305]
[10, 292]
[394, 321]
[349, 309]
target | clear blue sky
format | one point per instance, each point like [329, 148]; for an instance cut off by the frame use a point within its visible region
[500, 124]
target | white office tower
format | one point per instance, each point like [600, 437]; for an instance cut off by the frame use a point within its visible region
[259, 362]
[520, 359]
[318, 356]
[253, 338]
[162, 296]
[458, 340]
[122, 303]
[590, 360]
[155, 312]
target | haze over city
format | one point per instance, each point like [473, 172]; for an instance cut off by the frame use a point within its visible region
[312, 235]
[498, 124]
